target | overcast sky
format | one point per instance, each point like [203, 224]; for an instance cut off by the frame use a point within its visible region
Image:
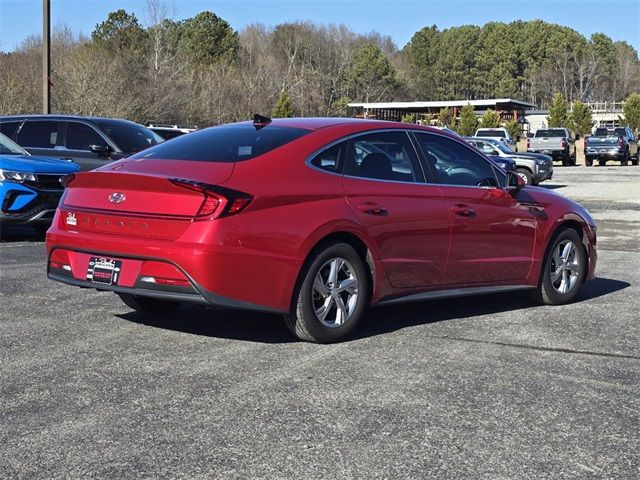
[400, 19]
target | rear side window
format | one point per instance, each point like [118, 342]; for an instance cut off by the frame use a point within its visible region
[128, 136]
[38, 134]
[81, 137]
[330, 158]
[226, 143]
[9, 128]
[383, 156]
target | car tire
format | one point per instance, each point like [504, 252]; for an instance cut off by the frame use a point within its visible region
[636, 160]
[154, 306]
[572, 159]
[526, 175]
[332, 276]
[602, 163]
[564, 269]
[588, 161]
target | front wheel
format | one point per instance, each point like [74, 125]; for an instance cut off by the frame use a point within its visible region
[331, 297]
[564, 268]
[526, 175]
[154, 306]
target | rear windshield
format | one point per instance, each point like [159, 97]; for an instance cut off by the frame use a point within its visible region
[491, 133]
[130, 137]
[550, 133]
[610, 132]
[226, 143]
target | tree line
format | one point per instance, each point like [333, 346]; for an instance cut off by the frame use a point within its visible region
[201, 71]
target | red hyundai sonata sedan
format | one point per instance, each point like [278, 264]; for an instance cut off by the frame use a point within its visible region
[316, 219]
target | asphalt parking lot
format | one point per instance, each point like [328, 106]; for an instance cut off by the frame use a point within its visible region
[486, 387]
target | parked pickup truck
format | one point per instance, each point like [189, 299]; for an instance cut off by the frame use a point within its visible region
[532, 167]
[501, 134]
[558, 143]
[613, 143]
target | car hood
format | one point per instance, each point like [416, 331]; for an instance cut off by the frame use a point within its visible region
[540, 156]
[32, 164]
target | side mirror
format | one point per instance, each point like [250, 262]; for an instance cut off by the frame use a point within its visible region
[100, 150]
[515, 182]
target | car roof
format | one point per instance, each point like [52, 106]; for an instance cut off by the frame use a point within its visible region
[317, 123]
[63, 117]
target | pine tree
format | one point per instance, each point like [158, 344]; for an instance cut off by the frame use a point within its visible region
[468, 121]
[284, 108]
[558, 116]
[581, 118]
[490, 119]
[445, 118]
[631, 109]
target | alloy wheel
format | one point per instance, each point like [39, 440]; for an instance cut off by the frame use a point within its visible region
[335, 292]
[565, 266]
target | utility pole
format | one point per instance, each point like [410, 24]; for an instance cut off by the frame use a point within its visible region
[46, 56]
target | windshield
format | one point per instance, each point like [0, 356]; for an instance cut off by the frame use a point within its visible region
[550, 133]
[502, 147]
[9, 147]
[130, 137]
[490, 133]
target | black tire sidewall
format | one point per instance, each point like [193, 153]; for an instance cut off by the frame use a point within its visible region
[527, 174]
[549, 294]
[304, 310]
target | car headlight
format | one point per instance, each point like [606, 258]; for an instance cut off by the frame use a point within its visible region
[17, 176]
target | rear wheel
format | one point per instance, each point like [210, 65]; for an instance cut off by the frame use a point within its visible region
[634, 161]
[526, 175]
[154, 306]
[564, 268]
[588, 161]
[331, 297]
[602, 163]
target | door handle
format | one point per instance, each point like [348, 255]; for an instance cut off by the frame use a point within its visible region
[373, 209]
[463, 210]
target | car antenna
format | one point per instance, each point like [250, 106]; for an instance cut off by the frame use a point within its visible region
[260, 121]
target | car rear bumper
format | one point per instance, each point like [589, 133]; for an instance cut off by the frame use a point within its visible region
[209, 262]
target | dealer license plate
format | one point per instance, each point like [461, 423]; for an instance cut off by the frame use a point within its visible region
[104, 270]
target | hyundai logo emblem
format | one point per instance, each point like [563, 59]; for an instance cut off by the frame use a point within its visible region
[117, 197]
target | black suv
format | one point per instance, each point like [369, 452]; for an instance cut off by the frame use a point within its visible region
[89, 141]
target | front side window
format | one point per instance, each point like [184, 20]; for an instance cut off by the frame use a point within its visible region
[81, 137]
[38, 134]
[383, 156]
[454, 163]
[9, 128]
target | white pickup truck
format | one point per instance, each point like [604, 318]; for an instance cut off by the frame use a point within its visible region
[558, 143]
[498, 133]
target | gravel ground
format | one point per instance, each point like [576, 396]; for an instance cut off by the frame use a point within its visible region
[489, 387]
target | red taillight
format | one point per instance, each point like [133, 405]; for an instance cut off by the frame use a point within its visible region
[218, 201]
[209, 206]
[564, 143]
[621, 142]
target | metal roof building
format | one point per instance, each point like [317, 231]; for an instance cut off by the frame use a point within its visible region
[508, 108]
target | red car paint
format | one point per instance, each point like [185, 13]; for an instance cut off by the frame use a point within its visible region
[250, 251]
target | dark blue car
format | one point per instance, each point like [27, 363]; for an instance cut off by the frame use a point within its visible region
[30, 187]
